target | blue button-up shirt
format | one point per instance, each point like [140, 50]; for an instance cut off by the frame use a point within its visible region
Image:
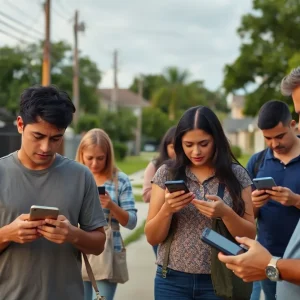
[276, 222]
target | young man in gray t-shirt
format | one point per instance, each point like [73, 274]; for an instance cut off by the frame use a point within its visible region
[38, 261]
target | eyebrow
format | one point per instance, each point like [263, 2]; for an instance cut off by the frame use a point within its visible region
[54, 136]
[281, 134]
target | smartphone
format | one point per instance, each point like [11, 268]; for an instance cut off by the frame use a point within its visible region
[101, 190]
[176, 185]
[43, 212]
[221, 243]
[264, 183]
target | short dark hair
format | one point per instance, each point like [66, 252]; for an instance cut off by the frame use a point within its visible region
[290, 82]
[272, 113]
[48, 103]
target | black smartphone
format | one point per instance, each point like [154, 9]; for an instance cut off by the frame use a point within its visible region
[176, 185]
[101, 190]
[221, 243]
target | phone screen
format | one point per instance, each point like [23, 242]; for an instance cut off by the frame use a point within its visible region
[176, 185]
[221, 243]
[101, 190]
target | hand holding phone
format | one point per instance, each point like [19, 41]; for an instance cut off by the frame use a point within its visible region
[221, 243]
[264, 183]
[101, 190]
[177, 196]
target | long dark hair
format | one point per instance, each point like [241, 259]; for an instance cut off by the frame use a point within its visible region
[201, 117]
[167, 139]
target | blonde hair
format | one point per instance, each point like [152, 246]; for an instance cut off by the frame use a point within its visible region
[98, 137]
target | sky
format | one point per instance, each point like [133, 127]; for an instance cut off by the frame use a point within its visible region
[197, 35]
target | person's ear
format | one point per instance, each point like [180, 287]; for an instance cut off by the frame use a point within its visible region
[293, 124]
[20, 125]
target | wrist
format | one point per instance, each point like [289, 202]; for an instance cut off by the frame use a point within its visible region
[73, 234]
[165, 211]
[227, 213]
[4, 234]
[296, 200]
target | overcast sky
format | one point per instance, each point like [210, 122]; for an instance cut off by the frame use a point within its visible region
[197, 35]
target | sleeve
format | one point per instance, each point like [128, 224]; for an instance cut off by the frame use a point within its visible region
[147, 186]
[161, 176]
[91, 214]
[242, 175]
[250, 166]
[126, 200]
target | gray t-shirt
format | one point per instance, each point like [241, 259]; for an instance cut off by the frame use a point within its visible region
[287, 290]
[42, 269]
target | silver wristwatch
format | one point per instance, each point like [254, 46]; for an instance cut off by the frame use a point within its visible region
[271, 270]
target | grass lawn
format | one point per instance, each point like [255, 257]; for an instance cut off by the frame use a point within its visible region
[136, 234]
[244, 159]
[138, 198]
[137, 186]
[132, 164]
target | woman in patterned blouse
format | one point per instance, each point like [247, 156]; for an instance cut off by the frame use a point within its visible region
[96, 152]
[203, 160]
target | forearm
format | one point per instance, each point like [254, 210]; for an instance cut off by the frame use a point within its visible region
[289, 270]
[255, 211]
[4, 240]
[120, 214]
[157, 228]
[297, 201]
[238, 226]
[147, 195]
[88, 242]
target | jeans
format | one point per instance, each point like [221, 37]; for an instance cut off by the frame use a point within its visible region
[105, 287]
[183, 286]
[155, 249]
[256, 291]
[269, 288]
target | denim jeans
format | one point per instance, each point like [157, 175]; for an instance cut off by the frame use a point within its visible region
[183, 286]
[256, 291]
[269, 288]
[155, 249]
[105, 287]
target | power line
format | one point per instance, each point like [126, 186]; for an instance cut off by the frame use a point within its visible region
[62, 17]
[63, 8]
[19, 23]
[13, 36]
[17, 29]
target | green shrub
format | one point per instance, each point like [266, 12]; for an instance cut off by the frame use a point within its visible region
[87, 122]
[237, 151]
[120, 150]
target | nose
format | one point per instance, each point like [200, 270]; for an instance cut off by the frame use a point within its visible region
[196, 150]
[45, 146]
[275, 143]
[94, 163]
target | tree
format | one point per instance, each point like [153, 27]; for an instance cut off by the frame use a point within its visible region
[151, 83]
[20, 67]
[270, 48]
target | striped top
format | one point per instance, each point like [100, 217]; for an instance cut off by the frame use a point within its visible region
[125, 201]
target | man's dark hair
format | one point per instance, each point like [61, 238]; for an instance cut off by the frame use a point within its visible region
[48, 103]
[272, 113]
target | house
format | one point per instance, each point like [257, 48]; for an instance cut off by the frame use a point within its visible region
[123, 98]
[242, 131]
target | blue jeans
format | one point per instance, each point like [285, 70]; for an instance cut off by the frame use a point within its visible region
[256, 291]
[269, 288]
[105, 287]
[183, 286]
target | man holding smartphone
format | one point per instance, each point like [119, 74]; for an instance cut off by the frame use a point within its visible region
[258, 263]
[277, 209]
[38, 261]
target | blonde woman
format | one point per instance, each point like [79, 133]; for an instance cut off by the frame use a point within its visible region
[96, 152]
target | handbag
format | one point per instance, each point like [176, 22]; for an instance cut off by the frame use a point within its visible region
[92, 278]
[109, 265]
[226, 284]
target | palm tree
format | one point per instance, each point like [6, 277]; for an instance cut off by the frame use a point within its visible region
[175, 94]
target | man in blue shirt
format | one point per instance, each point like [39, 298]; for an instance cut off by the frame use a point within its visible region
[277, 210]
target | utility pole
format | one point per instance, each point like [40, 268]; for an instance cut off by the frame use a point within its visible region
[138, 137]
[46, 72]
[77, 27]
[114, 96]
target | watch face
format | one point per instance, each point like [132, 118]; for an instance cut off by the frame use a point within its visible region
[272, 273]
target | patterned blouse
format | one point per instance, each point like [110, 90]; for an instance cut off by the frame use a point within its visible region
[126, 201]
[188, 253]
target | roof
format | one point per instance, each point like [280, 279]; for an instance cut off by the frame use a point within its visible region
[125, 97]
[235, 125]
